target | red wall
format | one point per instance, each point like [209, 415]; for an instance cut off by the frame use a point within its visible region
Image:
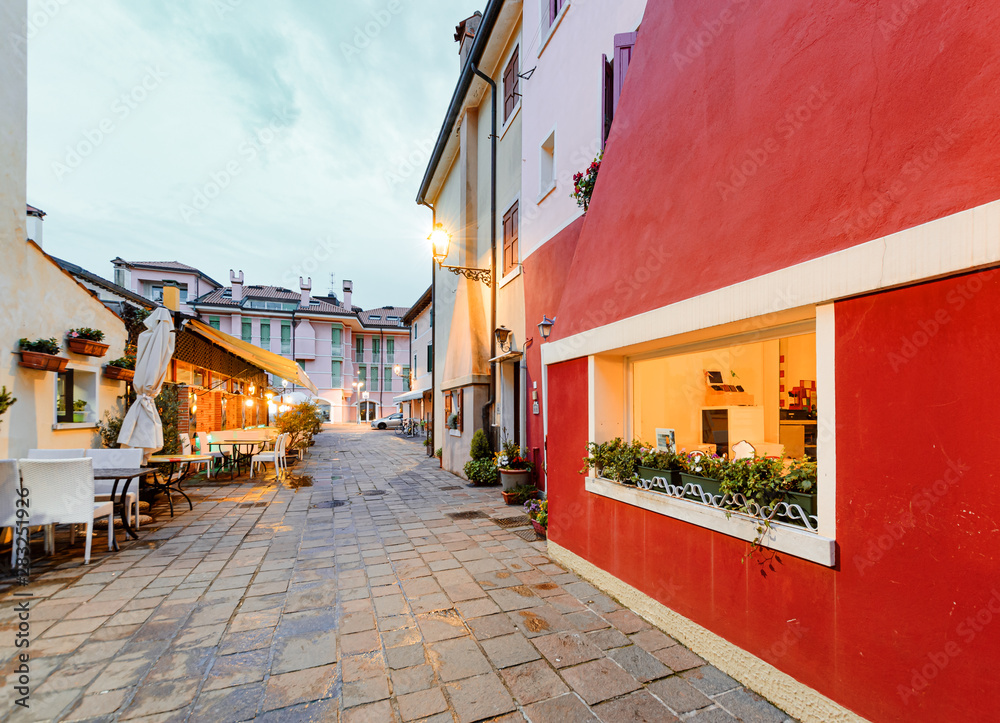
[853, 120]
[918, 543]
[545, 273]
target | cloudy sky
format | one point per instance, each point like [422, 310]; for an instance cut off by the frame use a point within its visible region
[282, 138]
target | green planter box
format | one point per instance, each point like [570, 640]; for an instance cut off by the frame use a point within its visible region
[806, 501]
[648, 473]
[711, 486]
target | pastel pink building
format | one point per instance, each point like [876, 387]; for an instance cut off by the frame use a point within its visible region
[348, 352]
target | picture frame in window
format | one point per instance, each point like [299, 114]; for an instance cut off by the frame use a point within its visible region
[666, 440]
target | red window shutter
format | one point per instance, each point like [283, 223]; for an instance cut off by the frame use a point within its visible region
[510, 85]
[607, 98]
[514, 257]
[624, 42]
[510, 239]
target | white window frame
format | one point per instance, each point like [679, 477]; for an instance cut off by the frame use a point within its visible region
[547, 187]
[610, 411]
[94, 404]
[548, 29]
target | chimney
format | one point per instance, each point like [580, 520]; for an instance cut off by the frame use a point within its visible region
[237, 284]
[305, 287]
[348, 291]
[465, 33]
[171, 295]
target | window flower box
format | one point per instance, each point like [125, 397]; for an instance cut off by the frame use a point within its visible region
[42, 354]
[79, 345]
[124, 375]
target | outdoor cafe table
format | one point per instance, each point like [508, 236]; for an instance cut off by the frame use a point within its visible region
[128, 474]
[174, 461]
[242, 449]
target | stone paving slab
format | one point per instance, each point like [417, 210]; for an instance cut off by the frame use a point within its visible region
[268, 602]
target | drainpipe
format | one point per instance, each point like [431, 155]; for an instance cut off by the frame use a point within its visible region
[381, 387]
[430, 447]
[493, 244]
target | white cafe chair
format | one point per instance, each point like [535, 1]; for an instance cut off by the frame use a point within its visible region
[10, 484]
[275, 456]
[127, 458]
[50, 530]
[187, 449]
[61, 491]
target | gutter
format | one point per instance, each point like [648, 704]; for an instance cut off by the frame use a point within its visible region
[491, 402]
[479, 43]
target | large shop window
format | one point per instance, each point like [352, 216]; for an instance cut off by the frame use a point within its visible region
[746, 396]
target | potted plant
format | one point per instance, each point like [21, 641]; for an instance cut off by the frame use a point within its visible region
[122, 368]
[85, 340]
[538, 513]
[515, 470]
[42, 354]
[799, 483]
[481, 469]
[520, 494]
[615, 460]
[79, 410]
[452, 422]
[704, 470]
[584, 182]
[6, 401]
[439, 453]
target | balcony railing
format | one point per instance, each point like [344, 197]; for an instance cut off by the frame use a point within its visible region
[375, 357]
[337, 351]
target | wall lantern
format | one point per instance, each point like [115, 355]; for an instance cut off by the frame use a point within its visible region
[249, 402]
[503, 338]
[545, 328]
[440, 241]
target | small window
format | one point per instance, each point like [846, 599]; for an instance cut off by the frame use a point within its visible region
[511, 85]
[213, 321]
[510, 253]
[547, 165]
[76, 397]
[265, 334]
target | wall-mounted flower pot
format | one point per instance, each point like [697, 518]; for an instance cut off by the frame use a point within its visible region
[538, 528]
[125, 375]
[512, 478]
[43, 362]
[86, 346]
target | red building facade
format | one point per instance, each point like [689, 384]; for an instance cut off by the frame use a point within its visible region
[812, 184]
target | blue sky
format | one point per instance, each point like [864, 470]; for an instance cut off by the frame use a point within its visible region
[283, 139]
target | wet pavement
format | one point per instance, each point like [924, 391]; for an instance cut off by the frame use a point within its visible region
[369, 585]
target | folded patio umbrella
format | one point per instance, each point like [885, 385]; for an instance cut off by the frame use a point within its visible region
[142, 426]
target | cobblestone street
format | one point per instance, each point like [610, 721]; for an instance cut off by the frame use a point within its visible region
[370, 586]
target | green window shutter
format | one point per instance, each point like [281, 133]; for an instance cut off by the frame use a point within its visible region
[336, 378]
[286, 337]
[373, 379]
[213, 321]
[247, 331]
[265, 334]
[406, 378]
[390, 350]
[387, 378]
[362, 374]
[430, 358]
[359, 349]
[302, 364]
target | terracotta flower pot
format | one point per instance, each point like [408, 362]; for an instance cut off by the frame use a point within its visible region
[510, 498]
[86, 346]
[125, 375]
[43, 362]
[538, 528]
[512, 478]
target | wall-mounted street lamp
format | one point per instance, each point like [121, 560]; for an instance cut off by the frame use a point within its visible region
[502, 334]
[440, 241]
[545, 328]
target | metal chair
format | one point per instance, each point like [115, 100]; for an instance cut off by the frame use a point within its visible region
[61, 491]
[275, 456]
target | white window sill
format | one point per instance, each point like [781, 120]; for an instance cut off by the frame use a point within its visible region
[545, 192]
[510, 277]
[454, 433]
[552, 28]
[74, 425]
[507, 123]
[781, 537]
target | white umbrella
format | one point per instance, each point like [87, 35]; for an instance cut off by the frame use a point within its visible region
[142, 426]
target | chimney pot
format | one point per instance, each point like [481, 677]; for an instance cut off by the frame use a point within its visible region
[305, 287]
[348, 292]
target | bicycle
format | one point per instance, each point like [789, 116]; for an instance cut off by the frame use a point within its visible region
[408, 428]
